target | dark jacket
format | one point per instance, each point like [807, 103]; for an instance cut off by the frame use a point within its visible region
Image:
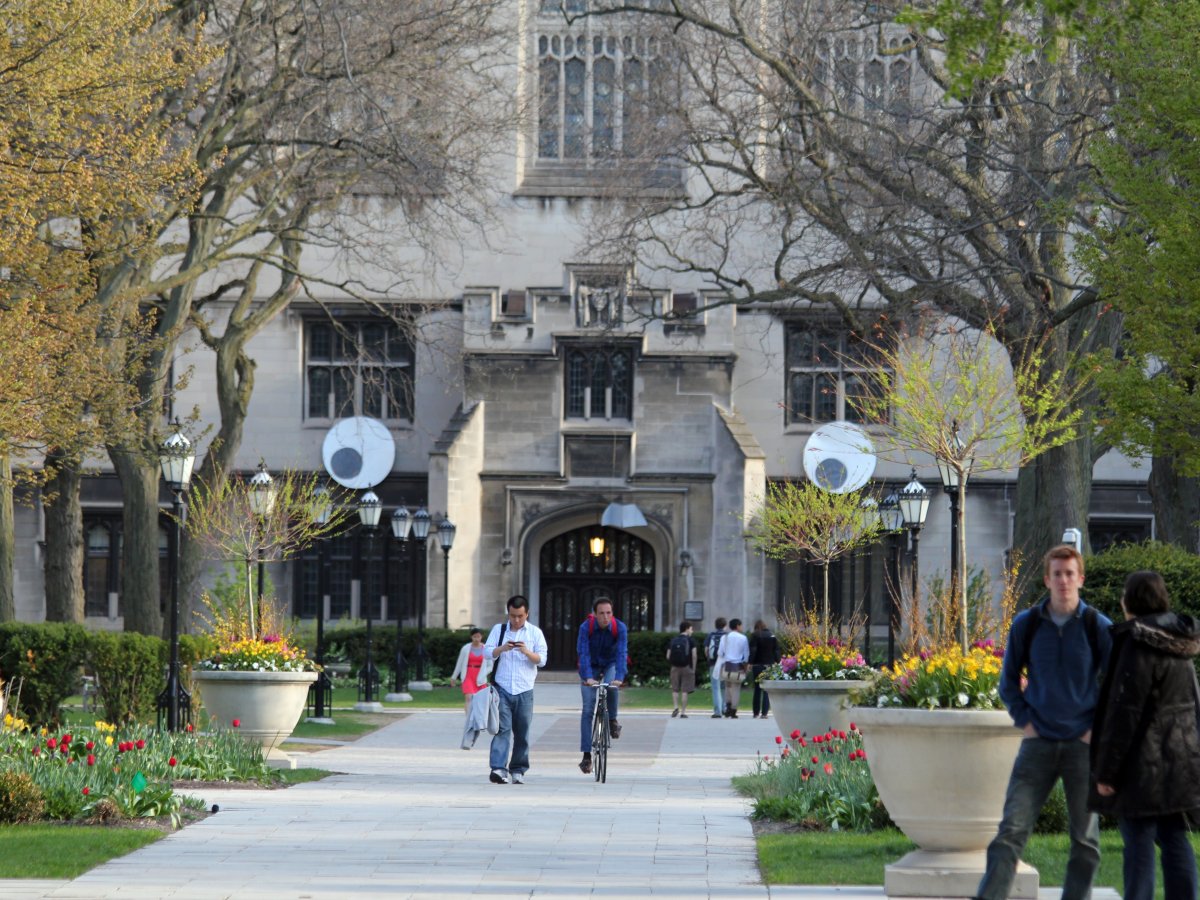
[1145, 742]
[1064, 674]
[764, 648]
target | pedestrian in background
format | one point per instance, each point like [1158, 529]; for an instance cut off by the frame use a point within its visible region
[764, 652]
[1146, 739]
[734, 657]
[712, 652]
[681, 655]
[473, 667]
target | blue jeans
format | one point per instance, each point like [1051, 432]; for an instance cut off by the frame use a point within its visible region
[589, 704]
[1178, 861]
[1039, 764]
[718, 690]
[516, 715]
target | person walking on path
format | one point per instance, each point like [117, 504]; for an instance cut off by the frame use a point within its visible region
[764, 651]
[681, 656]
[473, 667]
[734, 656]
[1146, 739]
[712, 649]
[603, 649]
[1063, 645]
[518, 649]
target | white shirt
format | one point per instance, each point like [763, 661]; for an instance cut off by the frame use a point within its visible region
[514, 670]
[735, 648]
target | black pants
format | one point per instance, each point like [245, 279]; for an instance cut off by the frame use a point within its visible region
[761, 705]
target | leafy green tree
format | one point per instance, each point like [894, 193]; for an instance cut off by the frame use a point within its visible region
[807, 523]
[1146, 256]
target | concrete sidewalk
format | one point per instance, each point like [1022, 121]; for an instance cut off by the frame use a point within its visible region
[412, 816]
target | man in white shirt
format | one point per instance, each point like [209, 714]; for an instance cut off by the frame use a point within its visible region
[735, 657]
[518, 648]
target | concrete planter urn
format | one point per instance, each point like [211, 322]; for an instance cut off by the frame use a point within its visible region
[267, 705]
[810, 707]
[942, 775]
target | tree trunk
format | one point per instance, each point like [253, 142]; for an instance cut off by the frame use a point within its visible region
[64, 543]
[1176, 503]
[140, 598]
[8, 539]
[1053, 493]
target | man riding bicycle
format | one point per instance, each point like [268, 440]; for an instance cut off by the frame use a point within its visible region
[603, 650]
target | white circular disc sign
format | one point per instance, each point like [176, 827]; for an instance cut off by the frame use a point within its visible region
[358, 452]
[839, 457]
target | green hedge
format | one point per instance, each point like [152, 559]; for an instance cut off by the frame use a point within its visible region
[46, 657]
[129, 668]
[1105, 573]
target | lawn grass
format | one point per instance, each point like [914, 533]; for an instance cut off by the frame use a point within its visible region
[845, 858]
[65, 851]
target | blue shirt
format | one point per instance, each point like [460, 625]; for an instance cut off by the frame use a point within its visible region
[598, 649]
[1064, 678]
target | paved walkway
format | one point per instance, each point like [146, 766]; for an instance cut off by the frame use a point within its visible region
[413, 816]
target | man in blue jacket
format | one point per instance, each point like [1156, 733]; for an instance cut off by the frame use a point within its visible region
[1063, 645]
[603, 646]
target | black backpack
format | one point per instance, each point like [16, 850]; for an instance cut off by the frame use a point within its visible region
[679, 653]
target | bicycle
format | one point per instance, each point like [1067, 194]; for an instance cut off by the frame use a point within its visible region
[601, 736]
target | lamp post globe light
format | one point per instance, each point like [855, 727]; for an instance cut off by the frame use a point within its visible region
[262, 504]
[402, 522]
[421, 522]
[176, 459]
[914, 507]
[445, 533]
[370, 510]
[892, 521]
[322, 689]
[956, 487]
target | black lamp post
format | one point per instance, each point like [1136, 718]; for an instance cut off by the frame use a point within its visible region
[893, 521]
[420, 531]
[402, 522]
[871, 519]
[446, 538]
[176, 458]
[369, 511]
[914, 507]
[954, 483]
[322, 687]
[262, 504]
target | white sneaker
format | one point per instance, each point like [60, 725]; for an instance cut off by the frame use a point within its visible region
[518, 778]
[499, 776]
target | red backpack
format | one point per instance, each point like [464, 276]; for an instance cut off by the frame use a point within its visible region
[591, 623]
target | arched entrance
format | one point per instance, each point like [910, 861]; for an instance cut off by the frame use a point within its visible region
[571, 579]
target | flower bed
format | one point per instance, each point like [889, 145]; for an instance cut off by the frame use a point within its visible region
[819, 660]
[102, 772]
[942, 679]
[822, 782]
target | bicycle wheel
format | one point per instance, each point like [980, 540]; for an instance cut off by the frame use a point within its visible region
[600, 741]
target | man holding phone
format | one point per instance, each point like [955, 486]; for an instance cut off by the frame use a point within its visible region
[518, 649]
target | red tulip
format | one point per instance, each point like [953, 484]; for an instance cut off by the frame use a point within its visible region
[237, 723]
[816, 760]
[779, 739]
[141, 745]
[171, 762]
[89, 746]
[86, 791]
[795, 733]
[91, 759]
[189, 728]
[51, 743]
[853, 727]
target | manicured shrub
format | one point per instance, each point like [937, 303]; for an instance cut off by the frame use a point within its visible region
[129, 673]
[20, 799]
[46, 656]
[1105, 575]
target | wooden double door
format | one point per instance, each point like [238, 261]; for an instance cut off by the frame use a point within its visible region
[572, 578]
